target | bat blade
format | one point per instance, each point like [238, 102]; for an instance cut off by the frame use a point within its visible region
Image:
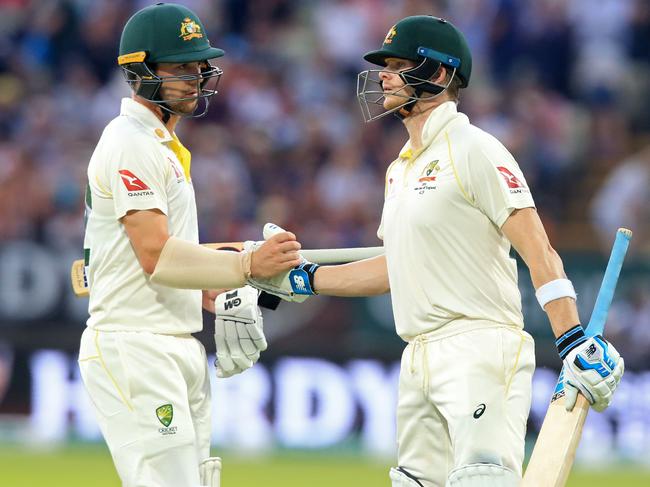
[556, 445]
[318, 256]
[558, 439]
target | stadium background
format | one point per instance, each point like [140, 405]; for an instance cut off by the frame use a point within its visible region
[564, 84]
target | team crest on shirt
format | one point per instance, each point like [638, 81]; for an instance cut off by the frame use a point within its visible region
[429, 172]
[427, 179]
[165, 415]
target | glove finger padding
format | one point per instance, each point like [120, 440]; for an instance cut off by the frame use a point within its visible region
[570, 396]
[239, 335]
[225, 366]
[249, 345]
[234, 345]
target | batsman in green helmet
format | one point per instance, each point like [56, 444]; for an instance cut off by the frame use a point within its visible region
[420, 48]
[455, 203]
[156, 64]
[148, 276]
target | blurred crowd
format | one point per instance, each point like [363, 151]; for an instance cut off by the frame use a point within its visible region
[564, 85]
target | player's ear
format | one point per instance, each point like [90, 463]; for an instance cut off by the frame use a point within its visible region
[440, 76]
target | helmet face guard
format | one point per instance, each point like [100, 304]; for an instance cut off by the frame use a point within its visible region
[147, 84]
[417, 82]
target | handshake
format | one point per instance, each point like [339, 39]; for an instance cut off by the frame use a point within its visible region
[276, 268]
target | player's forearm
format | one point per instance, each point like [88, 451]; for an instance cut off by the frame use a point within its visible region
[367, 277]
[186, 265]
[563, 312]
[525, 231]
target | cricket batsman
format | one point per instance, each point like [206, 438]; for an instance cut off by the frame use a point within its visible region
[455, 203]
[146, 375]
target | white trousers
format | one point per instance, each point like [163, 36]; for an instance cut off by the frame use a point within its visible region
[151, 394]
[464, 399]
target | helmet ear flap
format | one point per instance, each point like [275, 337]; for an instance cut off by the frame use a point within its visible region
[206, 67]
[419, 77]
[141, 77]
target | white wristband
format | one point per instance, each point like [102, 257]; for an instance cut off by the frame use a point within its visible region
[559, 288]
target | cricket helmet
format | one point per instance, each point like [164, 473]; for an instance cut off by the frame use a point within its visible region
[429, 41]
[166, 33]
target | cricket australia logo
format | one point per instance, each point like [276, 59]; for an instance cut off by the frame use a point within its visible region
[165, 415]
[427, 177]
[190, 30]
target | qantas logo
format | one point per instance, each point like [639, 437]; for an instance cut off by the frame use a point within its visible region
[511, 179]
[131, 181]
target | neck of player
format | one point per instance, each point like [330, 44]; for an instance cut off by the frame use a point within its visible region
[414, 123]
[172, 120]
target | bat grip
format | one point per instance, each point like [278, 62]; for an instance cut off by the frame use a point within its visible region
[606, 293]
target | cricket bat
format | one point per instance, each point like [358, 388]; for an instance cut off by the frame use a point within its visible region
[555, 449]
[317, 256]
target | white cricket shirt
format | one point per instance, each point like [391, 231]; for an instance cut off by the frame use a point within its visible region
[137, 166]
[448, 261]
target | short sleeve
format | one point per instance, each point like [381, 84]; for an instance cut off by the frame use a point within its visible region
[497, 184]
[137, 178]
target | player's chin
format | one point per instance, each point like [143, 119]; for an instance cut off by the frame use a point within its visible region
[185, 107]
[391, 102]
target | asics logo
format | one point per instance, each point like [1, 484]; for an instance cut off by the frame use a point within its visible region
[479, 411]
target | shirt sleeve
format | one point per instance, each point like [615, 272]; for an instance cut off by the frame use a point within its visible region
[136, 175]
[496, 183]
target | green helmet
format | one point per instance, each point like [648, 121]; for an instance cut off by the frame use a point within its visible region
[166, 33]
[430, 42]
[424, 37]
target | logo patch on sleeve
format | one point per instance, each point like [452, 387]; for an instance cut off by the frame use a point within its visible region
[511, 180]
[134, 185]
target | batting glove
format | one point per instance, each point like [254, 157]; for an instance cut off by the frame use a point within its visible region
[238, 331]
[294, 286]
[592, 366]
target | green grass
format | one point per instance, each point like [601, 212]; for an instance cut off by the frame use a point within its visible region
[83, 466]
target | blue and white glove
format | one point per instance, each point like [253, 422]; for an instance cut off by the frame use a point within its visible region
[294, 286]
[238, 331]
[592, 366]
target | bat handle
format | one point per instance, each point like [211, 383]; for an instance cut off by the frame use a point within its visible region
[606, 293]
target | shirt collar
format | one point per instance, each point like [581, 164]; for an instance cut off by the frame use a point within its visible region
[438, 119]
[151, 123]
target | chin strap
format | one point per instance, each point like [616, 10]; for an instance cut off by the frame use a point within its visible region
[165, 115]
[406, 110]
